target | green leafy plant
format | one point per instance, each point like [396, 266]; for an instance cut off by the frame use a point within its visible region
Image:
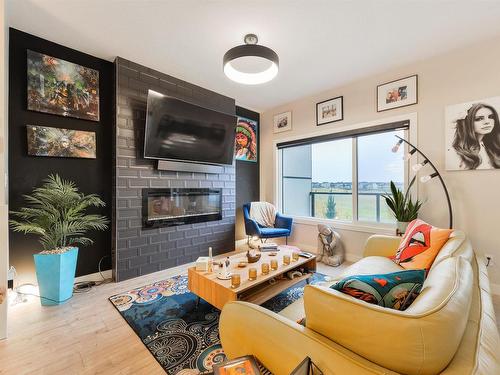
[401, 204]
[56, 212]
[331, 208]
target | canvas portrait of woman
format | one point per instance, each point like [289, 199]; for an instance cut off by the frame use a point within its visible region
[473, 135]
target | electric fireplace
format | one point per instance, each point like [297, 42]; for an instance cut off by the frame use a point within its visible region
[171, 207]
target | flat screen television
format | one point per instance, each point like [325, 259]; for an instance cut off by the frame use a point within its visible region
[181, 131]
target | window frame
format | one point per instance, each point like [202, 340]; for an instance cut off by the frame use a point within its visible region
[356, 131]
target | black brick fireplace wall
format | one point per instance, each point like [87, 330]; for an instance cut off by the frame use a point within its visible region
[137, 251]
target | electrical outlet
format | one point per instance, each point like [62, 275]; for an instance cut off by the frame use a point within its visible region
[489, 259]
[11, 274]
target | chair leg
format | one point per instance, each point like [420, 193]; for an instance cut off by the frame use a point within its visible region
[286, 240]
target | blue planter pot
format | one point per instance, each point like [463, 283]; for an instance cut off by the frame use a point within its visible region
[56, 275]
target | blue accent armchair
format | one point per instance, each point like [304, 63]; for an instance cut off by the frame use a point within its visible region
[282, 226]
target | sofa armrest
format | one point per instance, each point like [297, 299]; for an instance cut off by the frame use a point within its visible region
[379, 245]
[423, 339]
[252, 228]
[281, 344]
[283, 222]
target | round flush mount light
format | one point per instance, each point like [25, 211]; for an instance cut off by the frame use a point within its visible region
[250, 63]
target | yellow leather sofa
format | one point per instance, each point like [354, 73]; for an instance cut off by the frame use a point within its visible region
[449, 329]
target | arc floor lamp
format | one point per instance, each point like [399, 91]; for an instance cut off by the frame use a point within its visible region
[428, 177]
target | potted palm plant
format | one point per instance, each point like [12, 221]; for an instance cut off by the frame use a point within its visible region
[57, 213]
[402, 205]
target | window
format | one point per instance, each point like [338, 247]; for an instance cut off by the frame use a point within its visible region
[297, 180]
[331, 189]
[377, 167]
[342, 176]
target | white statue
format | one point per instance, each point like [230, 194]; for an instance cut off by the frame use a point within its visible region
[331, 251]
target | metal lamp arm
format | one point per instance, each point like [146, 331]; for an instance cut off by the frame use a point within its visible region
[450, 211]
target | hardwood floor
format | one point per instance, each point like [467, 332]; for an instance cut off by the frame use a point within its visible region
[86, 335]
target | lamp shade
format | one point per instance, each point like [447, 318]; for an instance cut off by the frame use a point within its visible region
[265, 58]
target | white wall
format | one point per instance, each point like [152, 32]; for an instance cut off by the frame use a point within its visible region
[459, 76]
[4, 243]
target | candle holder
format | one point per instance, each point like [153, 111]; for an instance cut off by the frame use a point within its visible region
[265, 268]
[295, 256]
[286, 260]
[252, 273]
[274, 264]
[235, 280]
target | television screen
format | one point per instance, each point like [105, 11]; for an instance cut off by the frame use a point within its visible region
[181, 131]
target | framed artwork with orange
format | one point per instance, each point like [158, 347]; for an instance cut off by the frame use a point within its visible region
[240, 366]
[245, 147]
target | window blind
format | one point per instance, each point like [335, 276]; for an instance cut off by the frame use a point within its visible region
[346, 134]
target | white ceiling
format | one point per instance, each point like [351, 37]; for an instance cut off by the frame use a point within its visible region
[321, 43]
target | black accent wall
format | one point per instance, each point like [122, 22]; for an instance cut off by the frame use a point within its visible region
[26, 172]
[247, 177]
[119, 172]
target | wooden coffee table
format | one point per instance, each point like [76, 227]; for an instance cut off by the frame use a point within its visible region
[217, 292]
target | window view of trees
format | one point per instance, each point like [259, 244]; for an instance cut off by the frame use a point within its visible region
[326, 188]
[332, 173]
[331, 211]
[377, 166]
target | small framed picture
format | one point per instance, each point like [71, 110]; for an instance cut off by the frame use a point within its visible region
[396, 94]
[283, 122]
[330, 110]
[243, 365]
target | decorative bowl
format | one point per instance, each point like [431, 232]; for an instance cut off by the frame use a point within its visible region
[253, 258]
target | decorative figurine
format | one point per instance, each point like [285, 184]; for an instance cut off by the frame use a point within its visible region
[332, 251]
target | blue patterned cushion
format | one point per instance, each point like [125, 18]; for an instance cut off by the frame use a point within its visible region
[395, 290]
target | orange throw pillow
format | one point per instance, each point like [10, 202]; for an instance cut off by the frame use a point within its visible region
[420, 245]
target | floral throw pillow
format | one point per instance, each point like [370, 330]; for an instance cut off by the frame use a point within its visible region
[395, 290]
[420, 245]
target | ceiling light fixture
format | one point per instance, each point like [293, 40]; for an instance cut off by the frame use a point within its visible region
[249, 63]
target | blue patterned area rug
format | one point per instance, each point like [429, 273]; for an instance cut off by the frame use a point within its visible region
[184, 339]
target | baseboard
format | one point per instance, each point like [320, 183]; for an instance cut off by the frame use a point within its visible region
[240, 243]
[108, 274]
[352, 257]
[495, 289]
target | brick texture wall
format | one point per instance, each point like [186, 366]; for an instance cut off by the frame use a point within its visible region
[138, 251]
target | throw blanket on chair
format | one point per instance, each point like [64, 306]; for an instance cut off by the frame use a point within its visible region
[263, 213]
